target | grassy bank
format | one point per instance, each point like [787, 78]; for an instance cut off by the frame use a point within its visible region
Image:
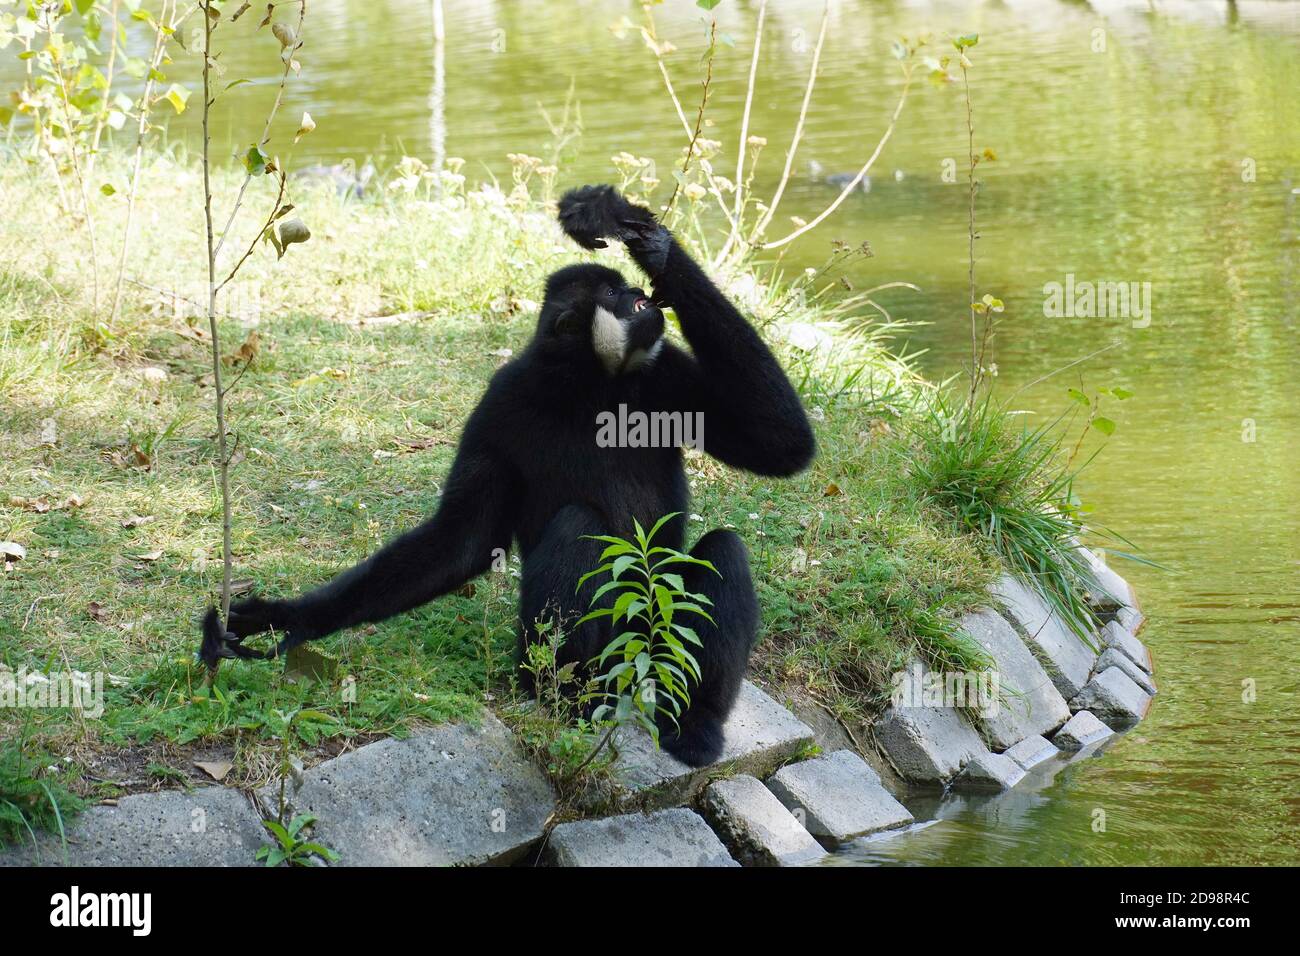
[372, 343]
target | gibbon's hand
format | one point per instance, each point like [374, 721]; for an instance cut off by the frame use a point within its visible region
[590, 214]
[248, 617]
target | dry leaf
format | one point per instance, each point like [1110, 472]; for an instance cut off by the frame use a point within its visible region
[49, 432]
[148, 556]
[12, 551]
[216, 769]
[136, 521]
[39, 505]
[96, 611]
[247, 352]
[832, 490]
[283, 33]
[420, 444]
[320, 376]
[306, 126]
[799, 563]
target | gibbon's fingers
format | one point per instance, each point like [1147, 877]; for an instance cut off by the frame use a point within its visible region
[219, 644]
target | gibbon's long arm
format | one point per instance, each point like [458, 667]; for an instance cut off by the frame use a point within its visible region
[473, 519]
[753, 418]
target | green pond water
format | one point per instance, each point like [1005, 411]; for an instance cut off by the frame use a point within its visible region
[1170, 157]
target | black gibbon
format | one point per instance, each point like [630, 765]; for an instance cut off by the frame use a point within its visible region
[530, 467]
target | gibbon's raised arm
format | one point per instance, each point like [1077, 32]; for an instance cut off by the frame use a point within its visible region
[474, 517]
[753, 418]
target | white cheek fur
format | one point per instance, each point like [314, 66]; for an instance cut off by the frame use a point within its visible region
[608, 338]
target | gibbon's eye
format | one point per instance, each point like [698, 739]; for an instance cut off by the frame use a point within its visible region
[609, 293]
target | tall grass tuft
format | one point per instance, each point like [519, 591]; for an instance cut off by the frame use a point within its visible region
[29, 800]
[1006, 482]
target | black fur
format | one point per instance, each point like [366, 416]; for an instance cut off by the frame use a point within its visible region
[529, 470]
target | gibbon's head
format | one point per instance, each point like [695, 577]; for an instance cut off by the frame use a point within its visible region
[591, 306]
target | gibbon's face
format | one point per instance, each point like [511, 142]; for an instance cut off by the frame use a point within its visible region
[617, 322]
[627, 329]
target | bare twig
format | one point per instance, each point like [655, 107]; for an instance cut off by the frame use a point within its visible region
[142, 127]
[677, 104]
[271, 217]
[108, 89]
[699, 116]
[81, 185]
[766, 217]
[853, 184]
[739, 213]
[438, 95]
[287, 56]
[1063, 368]
[976, 371]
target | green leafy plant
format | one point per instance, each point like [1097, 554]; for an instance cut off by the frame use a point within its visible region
[292, 849]
[1095, 420]
[295, 726]
[651, 668]
[552, 728]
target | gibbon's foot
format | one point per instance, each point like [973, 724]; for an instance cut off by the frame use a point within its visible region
[698, 743]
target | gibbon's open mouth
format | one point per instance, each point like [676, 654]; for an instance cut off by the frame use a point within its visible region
[640, 304]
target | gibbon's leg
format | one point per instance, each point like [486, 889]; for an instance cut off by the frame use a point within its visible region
[727, 644]
[547, 591]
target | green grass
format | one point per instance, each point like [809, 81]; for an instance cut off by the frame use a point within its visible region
[1004, 482]
[32, 795]
[346, 429]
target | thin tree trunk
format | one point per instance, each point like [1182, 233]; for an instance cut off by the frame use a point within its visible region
[223, 462]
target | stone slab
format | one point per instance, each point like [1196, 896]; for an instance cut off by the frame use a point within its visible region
[1114, 657]
[1032, 751]
[756, 827]
[1063, 654]
[838, 797]
[1131, 619]
[451, 795]
[1114, 635]
[1113, 592]
[925, 744]
[210, 826]
[1114, 698]
[673, 837]
[760, 735]
[1029, 703]
[1081, 730]
[994, 772]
